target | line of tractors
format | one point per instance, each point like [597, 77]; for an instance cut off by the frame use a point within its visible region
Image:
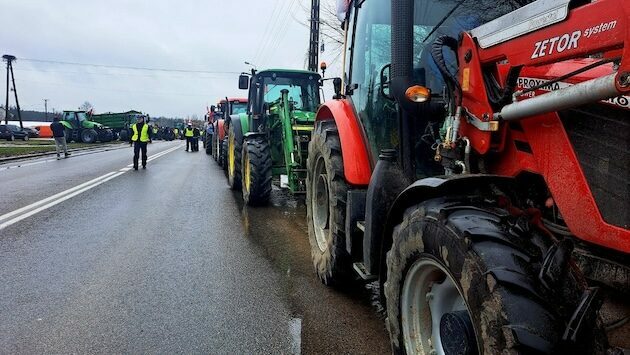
[474, 161]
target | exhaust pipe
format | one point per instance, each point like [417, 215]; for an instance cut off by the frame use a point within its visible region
[579, 94]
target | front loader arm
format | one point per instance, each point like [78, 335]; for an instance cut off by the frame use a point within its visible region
[598, 31]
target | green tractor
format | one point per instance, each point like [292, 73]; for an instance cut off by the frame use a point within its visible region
[270, 141]
[80, 128]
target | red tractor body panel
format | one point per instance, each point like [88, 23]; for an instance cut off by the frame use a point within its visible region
[356, 162]
[551, 153]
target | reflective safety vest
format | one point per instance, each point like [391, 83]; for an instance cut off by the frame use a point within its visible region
[189, 132]
[144, 134]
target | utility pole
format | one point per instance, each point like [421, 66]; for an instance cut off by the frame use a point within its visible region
[9, 59]
[46, 108]
[313, 49]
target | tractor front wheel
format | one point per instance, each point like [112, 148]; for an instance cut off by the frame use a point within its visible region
[89, 136]
[463, 278]
[326, 191]
[234, 157]
[256, 171]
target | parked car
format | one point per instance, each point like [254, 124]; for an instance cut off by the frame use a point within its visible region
[32, 132]
[12, 132]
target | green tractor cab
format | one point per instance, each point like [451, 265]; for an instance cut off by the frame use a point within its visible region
[270, 141]
[80, 128]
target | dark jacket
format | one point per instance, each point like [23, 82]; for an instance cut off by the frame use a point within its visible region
[196, 133]
[57, 129]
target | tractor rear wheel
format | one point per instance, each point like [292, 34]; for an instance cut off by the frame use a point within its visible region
[68, 134]
[124, 135]
[326, 191]
[215, 147]
[89, 136]
[223, 154]
[235, 147]
[463, 277]
[256, 171]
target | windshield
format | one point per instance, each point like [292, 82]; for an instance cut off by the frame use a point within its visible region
[82, 116]
[303, 91]
[239, 107]
[433, 19]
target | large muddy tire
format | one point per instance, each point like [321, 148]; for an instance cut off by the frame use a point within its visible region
[208, 145]
[68, 134]
[89, 136]
[233, 158]
[256, 171]
[215, 147]
[223, 154]
[326, 191]
[123, 135]
[463, 277]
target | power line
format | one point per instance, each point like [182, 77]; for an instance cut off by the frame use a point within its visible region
[127, 67]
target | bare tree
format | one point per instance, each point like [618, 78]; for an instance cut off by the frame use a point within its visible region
[331, 32]
[86, 106]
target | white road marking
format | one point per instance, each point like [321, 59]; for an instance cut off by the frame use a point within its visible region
[13, 217]
[295, 329]
[53, 197]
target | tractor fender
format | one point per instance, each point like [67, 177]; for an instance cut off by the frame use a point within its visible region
[66, 124]
[238, 127]
[433, 187]
[220, 129]
[356, 162]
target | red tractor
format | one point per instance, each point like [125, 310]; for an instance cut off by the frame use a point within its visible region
[475, 162]
[225, 108]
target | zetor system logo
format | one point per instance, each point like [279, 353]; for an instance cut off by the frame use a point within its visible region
[569, 41]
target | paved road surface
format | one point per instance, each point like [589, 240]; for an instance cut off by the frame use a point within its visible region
[163, 260]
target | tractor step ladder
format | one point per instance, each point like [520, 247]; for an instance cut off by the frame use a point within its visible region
[359, 268]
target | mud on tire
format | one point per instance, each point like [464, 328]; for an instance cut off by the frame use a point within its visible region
[494, 260]
[233, 157]
[256, 171]
[326, 191]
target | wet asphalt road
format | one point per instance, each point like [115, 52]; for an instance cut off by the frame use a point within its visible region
[166, 260]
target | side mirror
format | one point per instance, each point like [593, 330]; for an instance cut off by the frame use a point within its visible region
[337, 88]
[243, 82]
[385, 82]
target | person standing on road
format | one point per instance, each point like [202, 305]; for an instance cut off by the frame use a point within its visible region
[189, 133]
[59, 135]
[140, 138]
[195, 139]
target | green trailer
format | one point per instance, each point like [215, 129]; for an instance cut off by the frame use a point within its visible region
[270, 142]
[118, 122]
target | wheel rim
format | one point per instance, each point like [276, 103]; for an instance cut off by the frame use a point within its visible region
[321, 204]
[231, 154]
[429, 293]
[247, 176]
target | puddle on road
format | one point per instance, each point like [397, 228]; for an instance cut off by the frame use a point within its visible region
[330, 316]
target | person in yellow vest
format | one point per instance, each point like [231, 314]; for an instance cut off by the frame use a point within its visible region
[189, 132]
[141, 135]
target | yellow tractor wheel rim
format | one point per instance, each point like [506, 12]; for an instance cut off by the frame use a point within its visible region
[231, 155]
[248, 181]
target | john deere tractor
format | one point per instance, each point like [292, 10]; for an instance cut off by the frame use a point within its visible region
[270, 141]
[80, 128]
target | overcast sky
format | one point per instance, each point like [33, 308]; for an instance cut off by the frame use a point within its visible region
[209, 35]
